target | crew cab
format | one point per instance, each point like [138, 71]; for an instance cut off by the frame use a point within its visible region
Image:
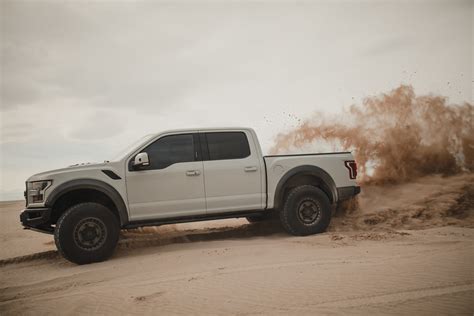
[183, 176]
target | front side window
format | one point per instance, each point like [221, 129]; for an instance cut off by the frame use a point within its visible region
[227, 145]
[169, 150]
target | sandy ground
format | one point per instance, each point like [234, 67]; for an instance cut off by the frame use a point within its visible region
[411, 256]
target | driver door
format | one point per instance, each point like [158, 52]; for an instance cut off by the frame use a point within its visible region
[172, 185]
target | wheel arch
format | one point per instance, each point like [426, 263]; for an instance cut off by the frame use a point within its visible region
[98, 187]
[301, 175]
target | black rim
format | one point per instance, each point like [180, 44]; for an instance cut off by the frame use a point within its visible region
[90, 233]
[309, 212]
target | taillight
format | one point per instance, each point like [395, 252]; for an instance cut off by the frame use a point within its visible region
[352, 166]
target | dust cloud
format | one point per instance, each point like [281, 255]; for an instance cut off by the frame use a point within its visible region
[395, 137]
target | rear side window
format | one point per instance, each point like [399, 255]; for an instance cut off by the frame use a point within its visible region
[169, 150]
[227, 145]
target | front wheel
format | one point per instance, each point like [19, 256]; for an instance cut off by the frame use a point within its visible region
[306, 211]
[87, 232]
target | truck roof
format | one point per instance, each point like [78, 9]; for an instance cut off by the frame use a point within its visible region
[197, 129]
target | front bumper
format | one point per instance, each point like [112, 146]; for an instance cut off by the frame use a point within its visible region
[37, 218]
[345, 193]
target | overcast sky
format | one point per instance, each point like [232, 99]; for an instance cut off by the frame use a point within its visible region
[80, 80]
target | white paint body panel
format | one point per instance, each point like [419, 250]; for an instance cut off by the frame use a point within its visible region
[333, 164]
[169, 192]
[222, 186]
[83, 171]
[229, 187]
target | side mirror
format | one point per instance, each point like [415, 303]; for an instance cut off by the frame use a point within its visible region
[141, 160]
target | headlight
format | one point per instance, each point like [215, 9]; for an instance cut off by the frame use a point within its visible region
[35, 192]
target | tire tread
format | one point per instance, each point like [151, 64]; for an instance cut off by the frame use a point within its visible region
[288, 208]
[59, 225]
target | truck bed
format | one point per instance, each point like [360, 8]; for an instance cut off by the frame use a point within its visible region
[331, 164]
[309, 154]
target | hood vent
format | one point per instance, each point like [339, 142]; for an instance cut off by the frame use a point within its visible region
[111, 174]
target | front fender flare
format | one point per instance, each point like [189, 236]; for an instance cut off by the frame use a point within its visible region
[92, 184]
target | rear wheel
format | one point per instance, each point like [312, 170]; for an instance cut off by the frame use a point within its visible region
[87, 232]
[306, 211]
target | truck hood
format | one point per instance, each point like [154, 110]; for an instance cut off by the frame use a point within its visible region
[47, 175]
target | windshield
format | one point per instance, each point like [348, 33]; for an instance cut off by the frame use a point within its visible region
[121, 154]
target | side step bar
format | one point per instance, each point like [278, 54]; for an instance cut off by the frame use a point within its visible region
[186, 219]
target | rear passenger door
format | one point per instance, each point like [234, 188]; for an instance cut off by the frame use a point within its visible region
[232, 172]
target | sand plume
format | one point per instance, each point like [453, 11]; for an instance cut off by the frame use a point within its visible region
[395, 136]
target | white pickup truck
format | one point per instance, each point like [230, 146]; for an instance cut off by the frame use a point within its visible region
[183, 176]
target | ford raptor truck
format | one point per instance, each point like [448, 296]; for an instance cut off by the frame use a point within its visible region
[183, 176]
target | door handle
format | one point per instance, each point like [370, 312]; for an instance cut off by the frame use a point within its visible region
[191, 173]
[250, 169]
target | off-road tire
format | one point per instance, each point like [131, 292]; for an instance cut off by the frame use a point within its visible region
[70, 229]
[293, 215]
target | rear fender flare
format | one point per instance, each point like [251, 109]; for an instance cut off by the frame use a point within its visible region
[325, 179]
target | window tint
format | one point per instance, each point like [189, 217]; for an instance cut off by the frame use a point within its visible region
[227, 145]
[169, 150]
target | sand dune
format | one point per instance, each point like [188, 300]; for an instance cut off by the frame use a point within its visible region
[404, 249]
[426, 202]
